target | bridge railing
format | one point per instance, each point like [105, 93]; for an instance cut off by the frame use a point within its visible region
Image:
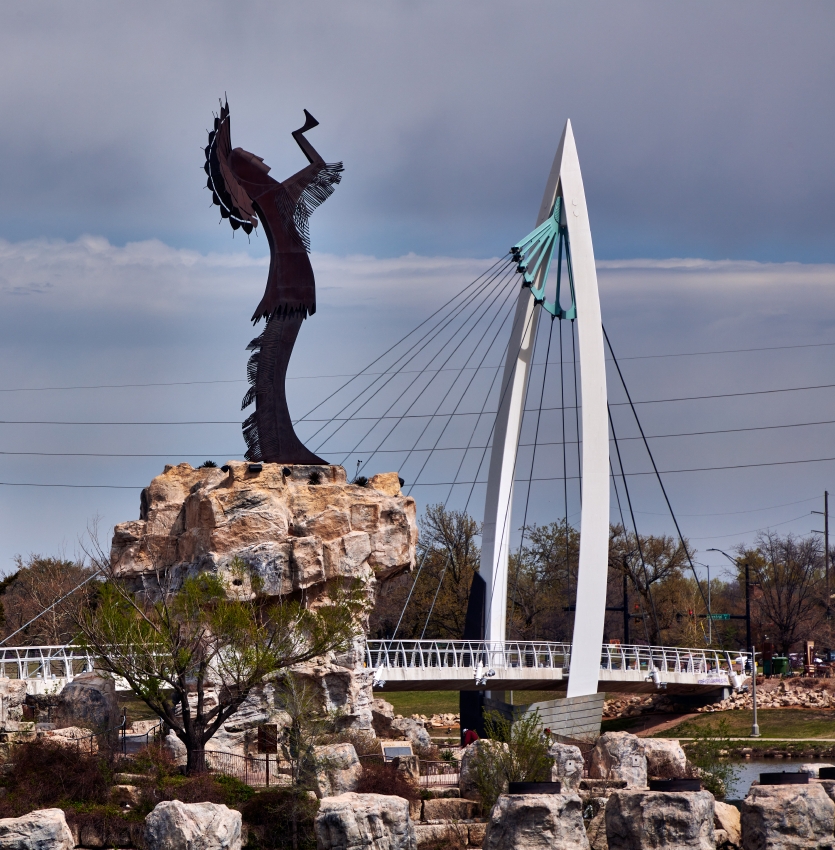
[44, 662]
[468, 654]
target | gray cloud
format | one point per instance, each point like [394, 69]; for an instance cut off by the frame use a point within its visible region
[703, 130]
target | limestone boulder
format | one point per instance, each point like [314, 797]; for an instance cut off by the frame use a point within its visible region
[411, 730]
[89, 700]
[364, 822]
[337, 769]
[726, 819]
[779, 817]
[296, 535]
[658, 820]
[408, 767]
[12, 699]
[665, 758]
[175, 748]
[45, 829]
[567, 766]
[619, 755]
[173, 825]
[478, 750]
[536, 822]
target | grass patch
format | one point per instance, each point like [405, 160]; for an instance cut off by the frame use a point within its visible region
[137, 710]
[774, 723]
[421, 702]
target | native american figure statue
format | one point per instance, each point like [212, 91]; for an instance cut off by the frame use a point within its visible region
[246, 194]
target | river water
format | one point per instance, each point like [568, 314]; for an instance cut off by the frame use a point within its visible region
[749, 771]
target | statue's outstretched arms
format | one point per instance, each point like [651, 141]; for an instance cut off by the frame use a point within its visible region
[308, 188]
[227, 192]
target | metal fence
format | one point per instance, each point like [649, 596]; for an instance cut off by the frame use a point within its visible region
[439, 773]
[258, 771]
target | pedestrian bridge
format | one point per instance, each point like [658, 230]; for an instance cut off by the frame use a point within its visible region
[463, 665]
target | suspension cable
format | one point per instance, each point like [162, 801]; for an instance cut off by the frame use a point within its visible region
[658, 477]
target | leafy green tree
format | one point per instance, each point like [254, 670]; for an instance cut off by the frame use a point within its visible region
[175, 644]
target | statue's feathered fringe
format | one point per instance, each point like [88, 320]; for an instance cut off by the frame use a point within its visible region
[316, 193]
[250, 425]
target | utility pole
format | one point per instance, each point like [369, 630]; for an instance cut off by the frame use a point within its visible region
[826, 550]
[755, 727]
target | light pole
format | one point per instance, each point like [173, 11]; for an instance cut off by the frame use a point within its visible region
[709, 610]
[747, 595]
[755, 727]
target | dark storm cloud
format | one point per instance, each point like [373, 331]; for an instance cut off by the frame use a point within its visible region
[703, 129]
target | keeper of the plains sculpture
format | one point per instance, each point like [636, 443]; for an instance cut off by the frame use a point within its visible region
[246, 194]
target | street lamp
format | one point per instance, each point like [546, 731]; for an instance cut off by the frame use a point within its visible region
[755, 727]
[747, 595]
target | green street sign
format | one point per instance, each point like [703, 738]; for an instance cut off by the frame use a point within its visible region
[720, 616]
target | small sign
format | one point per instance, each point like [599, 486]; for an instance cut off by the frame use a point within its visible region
[390, 753]
[268, 738]
[720, 616]
[714, 680]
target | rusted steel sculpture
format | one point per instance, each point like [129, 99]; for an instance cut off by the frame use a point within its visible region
[246, 194]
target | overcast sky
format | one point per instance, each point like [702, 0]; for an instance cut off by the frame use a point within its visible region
[705, 132]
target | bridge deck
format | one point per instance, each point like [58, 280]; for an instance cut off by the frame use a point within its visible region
[529, 665]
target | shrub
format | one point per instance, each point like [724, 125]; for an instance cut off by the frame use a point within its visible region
[207, 464]
[360, 481]
[281, 819]
[315, 477]
[379, 778]
[703, 753]
[47, 774]
[518, 752]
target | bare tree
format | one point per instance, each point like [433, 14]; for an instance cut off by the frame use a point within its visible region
[787, 572]
[33, 591]
[449, 557]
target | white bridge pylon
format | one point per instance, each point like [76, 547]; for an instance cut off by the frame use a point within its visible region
[565, 181]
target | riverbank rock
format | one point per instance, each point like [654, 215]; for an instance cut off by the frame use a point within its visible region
[567, 767]
[534, 821]
[364, 822]
[45, 829]
[295, 535]
[338, 769]
[387, 724]
[658, 820]
[173, 825]
[665, 758]
[619, 755]
[778, 817]
[89, 700]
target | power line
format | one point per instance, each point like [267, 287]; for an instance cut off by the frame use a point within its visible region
[749, 530]
[404, 372]
[516, 480]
